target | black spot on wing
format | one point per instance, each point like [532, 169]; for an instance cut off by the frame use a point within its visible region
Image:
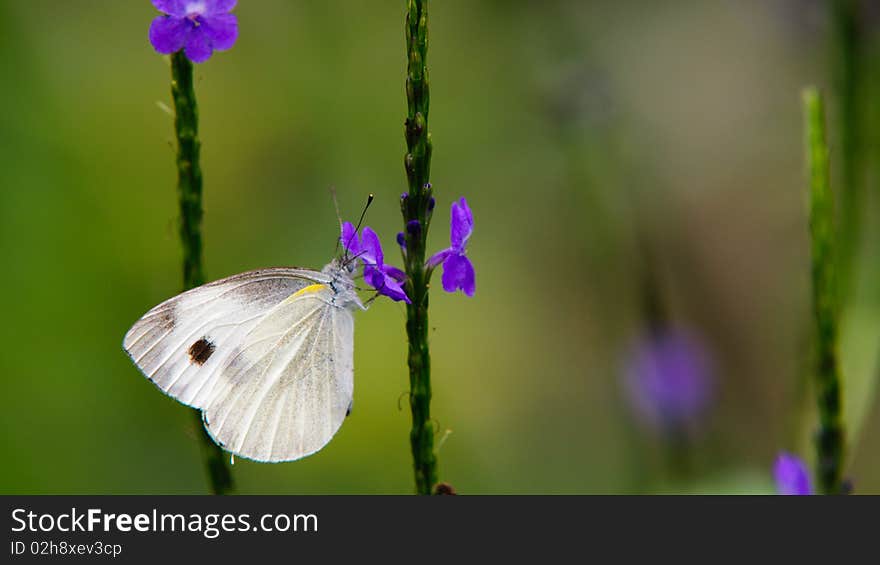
[201, 351]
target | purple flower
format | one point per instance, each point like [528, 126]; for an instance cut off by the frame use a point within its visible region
[792, 476]
[196, 26]
[669, 380]
[384, 278]
[458, 272]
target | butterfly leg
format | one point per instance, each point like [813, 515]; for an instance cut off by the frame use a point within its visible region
[370, 300]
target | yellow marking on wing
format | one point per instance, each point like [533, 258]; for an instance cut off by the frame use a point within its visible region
[309, 289]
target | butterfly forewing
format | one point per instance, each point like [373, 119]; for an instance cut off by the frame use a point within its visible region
[266, 355]
[180, 344]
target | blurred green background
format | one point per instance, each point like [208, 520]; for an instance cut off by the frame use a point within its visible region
[570, 127]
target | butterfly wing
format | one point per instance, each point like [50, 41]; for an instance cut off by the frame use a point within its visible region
[288, 389]
[182, 344]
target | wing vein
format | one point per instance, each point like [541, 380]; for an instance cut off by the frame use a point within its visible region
[273, 378]
[274, 351]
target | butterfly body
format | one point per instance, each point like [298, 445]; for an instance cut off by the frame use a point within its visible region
[266, 355]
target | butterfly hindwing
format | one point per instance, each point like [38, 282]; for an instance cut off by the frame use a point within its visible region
[286, 392]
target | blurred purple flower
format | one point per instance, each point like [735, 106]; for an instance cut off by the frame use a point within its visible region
[791, 474]
[669, 380]
[386, 279]
[196, 26]
[458, 271]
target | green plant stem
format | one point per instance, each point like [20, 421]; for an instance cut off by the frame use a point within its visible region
[418, 206]
[847, 62]
[830, 437]
[189, 186]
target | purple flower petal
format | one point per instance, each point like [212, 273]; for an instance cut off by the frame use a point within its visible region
[393, 290]
[371, 247]
[387, 280]
[198, 45]
[215, 7]
[171, 7]
[222, 29]
[168, 35]
[792, 476]
[349, 239]
[396, 294]
[385, 284]
[394, 273]
[458, 273]
[462, 224]
[438, 257]
[374, 277]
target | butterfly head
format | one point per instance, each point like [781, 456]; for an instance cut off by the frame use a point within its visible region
[341, 268]
[340, 273]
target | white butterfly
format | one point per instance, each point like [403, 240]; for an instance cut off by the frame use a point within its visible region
[266, 355]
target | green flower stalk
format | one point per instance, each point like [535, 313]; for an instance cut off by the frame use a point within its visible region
[830, 437]
[847, 66]
[189, 185]
[417, 207]
[189, 173]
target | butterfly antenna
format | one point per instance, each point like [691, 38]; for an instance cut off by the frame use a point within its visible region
[338, 216]
[364, 213]
[358, 227]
